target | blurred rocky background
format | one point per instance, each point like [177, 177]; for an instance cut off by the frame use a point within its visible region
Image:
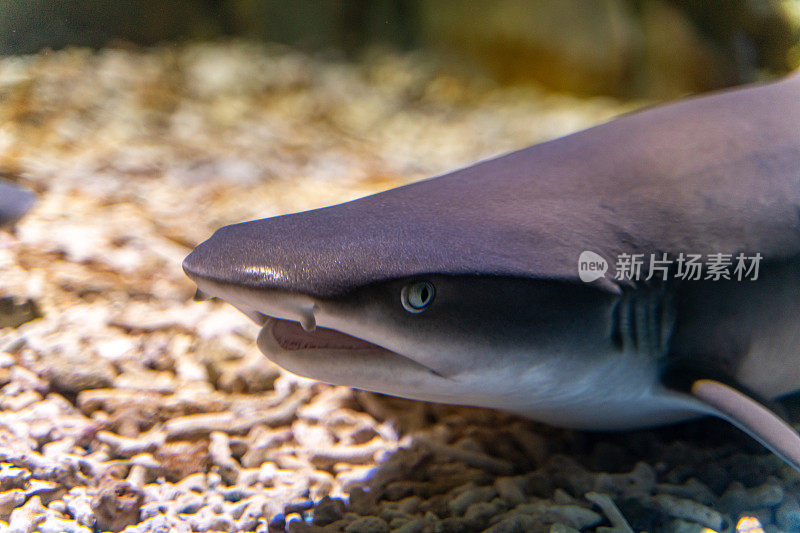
[623, 48]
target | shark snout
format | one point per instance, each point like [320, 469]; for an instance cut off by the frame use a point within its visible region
[328, 252]
[257, 290]
[235, 255]
[302, 253]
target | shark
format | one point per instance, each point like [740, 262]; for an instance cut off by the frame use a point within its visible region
[467, 288]
[15, 201]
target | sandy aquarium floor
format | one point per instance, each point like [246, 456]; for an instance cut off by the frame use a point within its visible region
[127, 406]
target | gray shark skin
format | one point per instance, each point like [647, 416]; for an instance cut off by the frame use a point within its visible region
[464, 288]
[15, 201]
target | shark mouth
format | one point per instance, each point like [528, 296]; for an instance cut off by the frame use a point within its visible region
[288, 344]
[291, 336]
[306, 349]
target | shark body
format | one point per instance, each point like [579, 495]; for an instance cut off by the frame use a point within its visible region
[15, 201]
[465, 289]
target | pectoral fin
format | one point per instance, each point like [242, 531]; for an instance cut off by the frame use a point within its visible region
[751, 416]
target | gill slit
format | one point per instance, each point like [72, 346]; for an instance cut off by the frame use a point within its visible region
[642, 320]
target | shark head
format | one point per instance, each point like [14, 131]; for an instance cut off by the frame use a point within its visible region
[465, 337]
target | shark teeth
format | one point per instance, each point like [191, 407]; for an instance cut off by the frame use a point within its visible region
[308, 321]
[291, 335]
[200, 296]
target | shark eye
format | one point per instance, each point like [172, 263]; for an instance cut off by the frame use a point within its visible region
[416, 297]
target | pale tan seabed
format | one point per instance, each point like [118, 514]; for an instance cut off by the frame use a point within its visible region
[127, 404]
